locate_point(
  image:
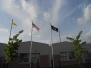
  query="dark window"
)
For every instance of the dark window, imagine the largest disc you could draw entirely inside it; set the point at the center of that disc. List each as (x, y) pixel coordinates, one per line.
(63, 56)
(71, 55)
(35, 57)
(85, 54)
(24, 57)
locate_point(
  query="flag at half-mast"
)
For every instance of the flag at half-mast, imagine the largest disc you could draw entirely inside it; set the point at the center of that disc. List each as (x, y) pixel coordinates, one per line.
(34, 26)
(14, 24)
(54, 28)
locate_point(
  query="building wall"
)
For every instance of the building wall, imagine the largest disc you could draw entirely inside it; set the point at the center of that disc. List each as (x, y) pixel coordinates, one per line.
(69, 62)
(57, 61)
(44, 61)
(16, 64)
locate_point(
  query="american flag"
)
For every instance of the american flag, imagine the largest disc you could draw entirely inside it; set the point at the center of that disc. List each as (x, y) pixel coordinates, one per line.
(34, 26)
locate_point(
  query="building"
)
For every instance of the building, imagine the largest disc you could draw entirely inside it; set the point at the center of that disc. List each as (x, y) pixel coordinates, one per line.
(64, 52)
(2, 54)
(41, 55)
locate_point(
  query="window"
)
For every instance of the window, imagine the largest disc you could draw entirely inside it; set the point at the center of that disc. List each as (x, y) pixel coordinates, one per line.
(85, 54)
(71, 55)
(63, 56)
(24, 57)
(35, 57)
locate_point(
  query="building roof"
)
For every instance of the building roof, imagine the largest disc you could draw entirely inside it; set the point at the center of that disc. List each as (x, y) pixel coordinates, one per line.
(42, 48)
(66, 46)
(62, 47)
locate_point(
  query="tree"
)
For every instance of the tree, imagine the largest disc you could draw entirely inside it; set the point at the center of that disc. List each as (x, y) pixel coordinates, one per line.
(77, 48)
(12, 47)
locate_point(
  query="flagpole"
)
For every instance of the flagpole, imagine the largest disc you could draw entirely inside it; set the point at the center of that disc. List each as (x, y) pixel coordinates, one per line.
(10, 30)
(59, 36)
(31, 45)
(52, 58)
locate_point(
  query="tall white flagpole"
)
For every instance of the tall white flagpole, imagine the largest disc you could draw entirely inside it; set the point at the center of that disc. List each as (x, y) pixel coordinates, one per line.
(31, 45)
(10, 30)
(52, 58)
(59, 36)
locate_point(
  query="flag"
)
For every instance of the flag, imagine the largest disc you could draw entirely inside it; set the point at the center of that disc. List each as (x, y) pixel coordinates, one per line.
(54, 28)
(14, 24)
(34, 26)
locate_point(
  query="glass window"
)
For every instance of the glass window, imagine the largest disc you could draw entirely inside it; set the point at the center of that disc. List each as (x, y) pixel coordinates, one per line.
(35, 57)
(63, 56)
(24, 57)
(85, 54)
(71, 55)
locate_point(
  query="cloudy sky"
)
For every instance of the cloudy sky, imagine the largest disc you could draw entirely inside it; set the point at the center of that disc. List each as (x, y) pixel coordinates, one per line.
(69, 16)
